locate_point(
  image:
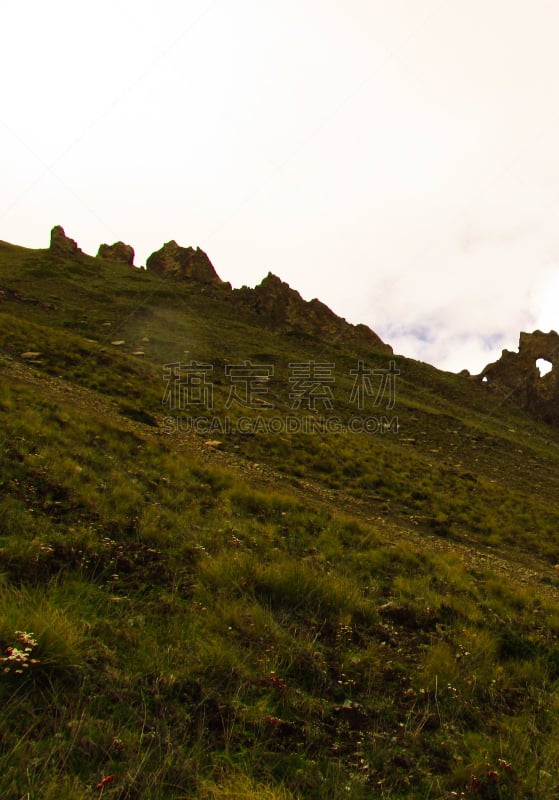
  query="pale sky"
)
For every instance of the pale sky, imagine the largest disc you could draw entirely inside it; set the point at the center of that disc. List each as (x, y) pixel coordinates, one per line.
(396, 159)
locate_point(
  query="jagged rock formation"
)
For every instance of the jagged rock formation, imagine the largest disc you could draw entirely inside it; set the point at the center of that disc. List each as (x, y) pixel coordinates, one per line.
(62, 245)
(184, 262)
(517, 375)
(280, 307)
(285, 310)
(124, 253)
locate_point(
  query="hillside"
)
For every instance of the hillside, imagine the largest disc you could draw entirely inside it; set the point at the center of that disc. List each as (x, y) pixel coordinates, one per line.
(246, 551)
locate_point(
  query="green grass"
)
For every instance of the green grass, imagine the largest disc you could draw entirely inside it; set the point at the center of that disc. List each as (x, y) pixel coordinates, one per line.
(284, 616)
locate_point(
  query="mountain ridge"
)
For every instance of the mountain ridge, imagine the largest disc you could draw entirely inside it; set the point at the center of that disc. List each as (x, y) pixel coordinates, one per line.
(274, 300)
(351, 589)
(283, 309)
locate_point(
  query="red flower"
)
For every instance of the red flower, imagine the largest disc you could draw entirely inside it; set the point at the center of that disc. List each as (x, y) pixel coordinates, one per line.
(104, 781)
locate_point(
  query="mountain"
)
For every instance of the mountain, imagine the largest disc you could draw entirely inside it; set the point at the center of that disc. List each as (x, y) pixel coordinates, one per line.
(247, 551)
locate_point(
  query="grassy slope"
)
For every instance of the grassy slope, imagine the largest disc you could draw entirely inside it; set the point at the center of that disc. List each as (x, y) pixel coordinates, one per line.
(286, 616)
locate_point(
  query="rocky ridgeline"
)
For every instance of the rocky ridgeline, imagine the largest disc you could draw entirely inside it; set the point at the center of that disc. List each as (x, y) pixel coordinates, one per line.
(518, 377)
(64, 246)
(284, 310)
(279, 307)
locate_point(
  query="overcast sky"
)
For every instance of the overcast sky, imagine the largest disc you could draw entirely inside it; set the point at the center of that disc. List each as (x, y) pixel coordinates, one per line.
(396, 159)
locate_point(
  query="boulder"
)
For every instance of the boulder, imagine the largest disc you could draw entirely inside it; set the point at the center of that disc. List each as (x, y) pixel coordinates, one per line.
(118, 251)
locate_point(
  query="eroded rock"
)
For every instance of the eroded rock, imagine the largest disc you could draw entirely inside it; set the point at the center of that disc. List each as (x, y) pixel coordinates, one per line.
(286, 311)
(62, 245)
(119, 251)
(184, 262)
(518, 377)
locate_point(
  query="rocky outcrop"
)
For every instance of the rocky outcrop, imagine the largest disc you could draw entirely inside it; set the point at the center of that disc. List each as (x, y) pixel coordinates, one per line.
(518, 377)
(184, 262)
(279, 307)
(62, 245)
(283, 309)
(124, 253)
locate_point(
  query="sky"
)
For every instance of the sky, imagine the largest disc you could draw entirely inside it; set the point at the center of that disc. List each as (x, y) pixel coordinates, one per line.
(397, 160)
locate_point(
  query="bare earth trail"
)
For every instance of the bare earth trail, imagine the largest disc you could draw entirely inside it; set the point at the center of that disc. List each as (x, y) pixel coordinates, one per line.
(524, 568)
